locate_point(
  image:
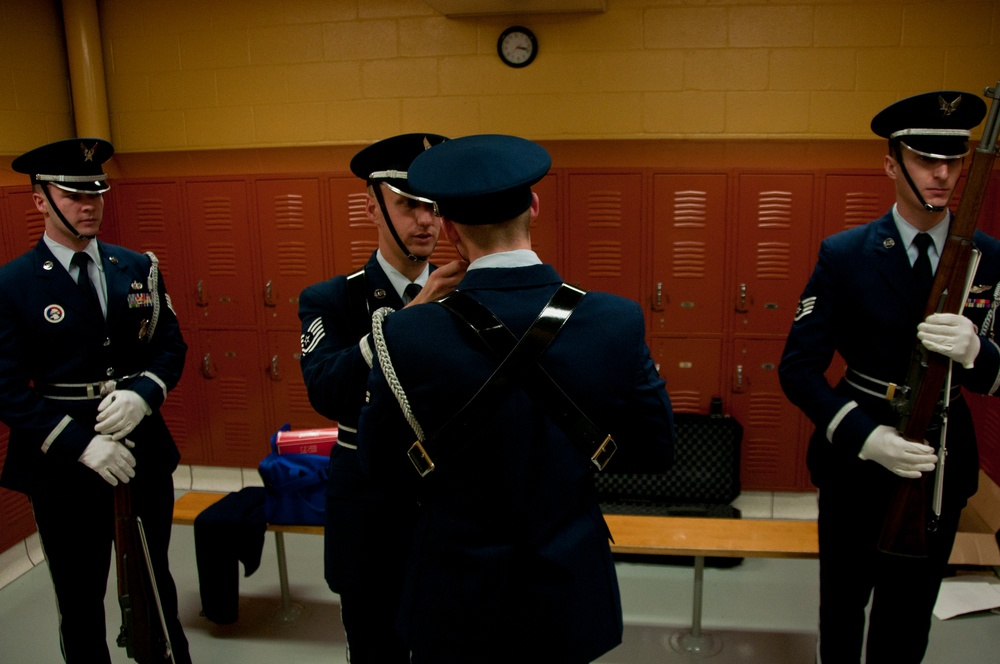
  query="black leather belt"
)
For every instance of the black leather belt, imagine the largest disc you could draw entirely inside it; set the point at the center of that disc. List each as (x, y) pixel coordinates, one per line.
(519, 358)
(882, 389)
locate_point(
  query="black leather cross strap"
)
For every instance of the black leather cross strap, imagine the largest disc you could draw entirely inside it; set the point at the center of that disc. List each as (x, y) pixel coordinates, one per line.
(519, 360)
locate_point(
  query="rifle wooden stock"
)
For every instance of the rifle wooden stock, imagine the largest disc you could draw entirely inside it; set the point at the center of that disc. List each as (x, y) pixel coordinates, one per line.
(908, 519)
(143, 634)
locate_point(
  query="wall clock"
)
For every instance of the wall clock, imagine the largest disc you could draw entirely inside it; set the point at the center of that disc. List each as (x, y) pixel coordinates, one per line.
(517, 46)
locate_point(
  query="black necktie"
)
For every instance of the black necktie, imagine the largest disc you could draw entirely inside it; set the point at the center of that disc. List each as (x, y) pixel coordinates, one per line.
(87, 290)
(923, 274)
(411, 291)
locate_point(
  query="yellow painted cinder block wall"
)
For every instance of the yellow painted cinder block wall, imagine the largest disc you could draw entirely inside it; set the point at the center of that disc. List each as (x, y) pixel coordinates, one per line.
(35, 103)
(220, 74)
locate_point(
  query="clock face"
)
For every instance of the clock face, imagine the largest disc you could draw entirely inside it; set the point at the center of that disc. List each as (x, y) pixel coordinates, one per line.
(517, 46)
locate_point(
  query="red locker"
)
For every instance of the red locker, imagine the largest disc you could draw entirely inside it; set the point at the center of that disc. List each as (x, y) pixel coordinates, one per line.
(16, 519)
(546, 229)
(290, 221)
(773, 441)
(24, 224)
(222, 257)
(853, 200)
(184, 410)
(355, 237)
(149, 220)
(291, 401)
(775, 255)
(232, 372)
(604, 234)
(692, 369)
(689, 254)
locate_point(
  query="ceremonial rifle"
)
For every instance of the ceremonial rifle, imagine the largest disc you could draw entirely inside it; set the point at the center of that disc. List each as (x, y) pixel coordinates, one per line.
(909, 517)
(144, 629)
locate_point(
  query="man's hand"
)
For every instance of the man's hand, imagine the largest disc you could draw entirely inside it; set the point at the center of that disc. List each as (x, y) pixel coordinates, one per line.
(951, 335)
(440, 282)
(120, 413)
(109, 459)
(903, 457)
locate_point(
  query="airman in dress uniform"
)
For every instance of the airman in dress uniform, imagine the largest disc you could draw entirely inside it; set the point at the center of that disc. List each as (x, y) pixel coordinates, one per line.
(510, 559)
(366, 536)
(89, 349)
(866, 300)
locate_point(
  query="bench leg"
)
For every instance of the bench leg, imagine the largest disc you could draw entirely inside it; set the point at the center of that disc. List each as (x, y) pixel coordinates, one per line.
(289, 611)
(694, 642)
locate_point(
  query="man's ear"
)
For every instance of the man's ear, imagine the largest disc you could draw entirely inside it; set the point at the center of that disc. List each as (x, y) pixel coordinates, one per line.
(40, 202)
(891, 166)
(449, 231)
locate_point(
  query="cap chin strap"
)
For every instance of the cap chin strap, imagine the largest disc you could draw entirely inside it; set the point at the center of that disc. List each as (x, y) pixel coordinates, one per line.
(913, 187)
(59, 215)
(410, 256)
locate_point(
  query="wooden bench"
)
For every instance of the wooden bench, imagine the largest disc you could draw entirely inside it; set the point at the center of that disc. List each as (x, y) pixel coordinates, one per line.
(649, 535)
(700, 537)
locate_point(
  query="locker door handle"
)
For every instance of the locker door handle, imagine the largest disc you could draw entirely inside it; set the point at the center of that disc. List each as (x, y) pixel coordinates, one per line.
(207, 368)
(269, 294)
(658, 302)
(200, 300)
(741, 305)
(738, 386)
(273, 373)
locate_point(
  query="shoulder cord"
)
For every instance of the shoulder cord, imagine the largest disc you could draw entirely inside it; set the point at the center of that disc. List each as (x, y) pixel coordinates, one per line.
(987, 330)
(154, 288)
(382, 350)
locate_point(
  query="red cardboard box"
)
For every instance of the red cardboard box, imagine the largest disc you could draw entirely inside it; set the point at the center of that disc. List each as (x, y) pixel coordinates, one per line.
(307, 441)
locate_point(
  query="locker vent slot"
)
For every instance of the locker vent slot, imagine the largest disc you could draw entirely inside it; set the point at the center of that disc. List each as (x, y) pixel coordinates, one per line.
(289, 212)
(292, 261)
(773, 260)
(604, 209)
(689, 260)
(221, 258)
(604, 259)
(690, 209)
(860, 207)
(774, 209)
(356, 217)
(218, 213)
(361, 251)
(149, 216)
(233, 394)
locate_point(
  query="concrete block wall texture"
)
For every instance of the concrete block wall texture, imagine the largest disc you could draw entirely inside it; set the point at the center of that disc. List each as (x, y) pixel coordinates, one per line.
(35, 103)
(230, 74)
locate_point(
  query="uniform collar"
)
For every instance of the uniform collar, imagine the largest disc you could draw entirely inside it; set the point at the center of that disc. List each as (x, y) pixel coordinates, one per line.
(516, 258)
(64, 254)
(939, 234)
(398, 279)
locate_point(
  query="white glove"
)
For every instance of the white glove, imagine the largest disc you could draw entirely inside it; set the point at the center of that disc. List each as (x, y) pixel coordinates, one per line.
(109, 459)
(120, 412)
(951, 335)
(905, 458)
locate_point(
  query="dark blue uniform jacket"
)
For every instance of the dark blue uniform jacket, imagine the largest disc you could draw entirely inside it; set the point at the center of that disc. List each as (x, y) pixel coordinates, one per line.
(864, 306)
(510, 546)
(336, 377)
(48, 336)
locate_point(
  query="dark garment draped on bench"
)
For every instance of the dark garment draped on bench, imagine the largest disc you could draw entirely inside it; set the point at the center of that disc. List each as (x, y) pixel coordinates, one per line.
(225, 534)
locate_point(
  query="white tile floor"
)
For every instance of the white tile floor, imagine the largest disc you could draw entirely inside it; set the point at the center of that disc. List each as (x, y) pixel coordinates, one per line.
(762, 611)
